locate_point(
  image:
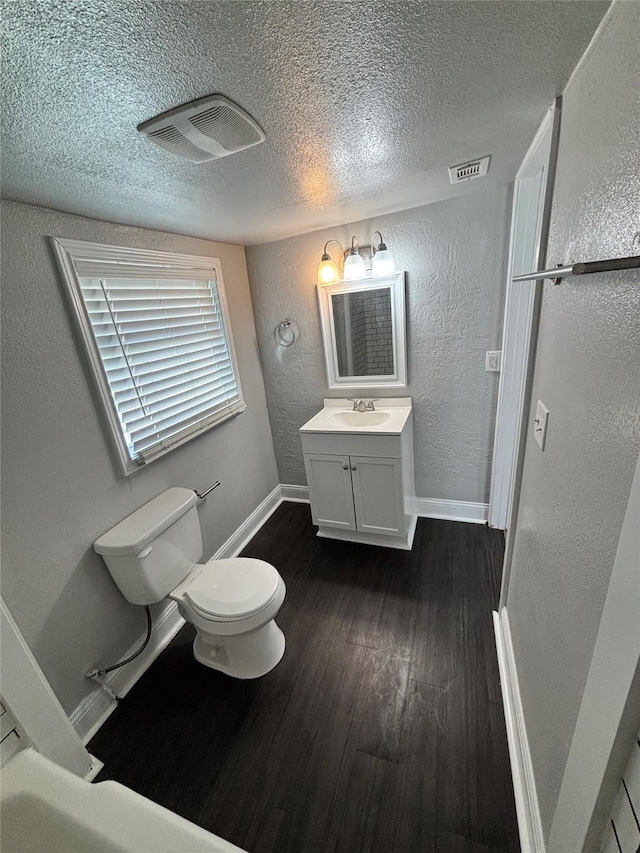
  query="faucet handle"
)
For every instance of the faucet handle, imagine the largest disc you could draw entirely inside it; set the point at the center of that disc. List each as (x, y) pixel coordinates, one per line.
(356, 404)
(370, 403)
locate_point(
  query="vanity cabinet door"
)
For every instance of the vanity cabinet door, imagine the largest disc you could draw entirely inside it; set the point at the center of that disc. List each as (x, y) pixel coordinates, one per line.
(377, 492)
(330, 491)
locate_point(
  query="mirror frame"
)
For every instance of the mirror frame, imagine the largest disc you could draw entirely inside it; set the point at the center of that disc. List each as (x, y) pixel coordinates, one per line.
(395, 283)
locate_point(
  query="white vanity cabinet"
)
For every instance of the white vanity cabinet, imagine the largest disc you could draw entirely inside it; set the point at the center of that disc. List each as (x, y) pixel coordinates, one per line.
(360, 479)
(330, 490)
(377, 495)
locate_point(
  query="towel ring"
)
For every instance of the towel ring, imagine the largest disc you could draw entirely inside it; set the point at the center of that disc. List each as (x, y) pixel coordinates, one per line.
(284, 335)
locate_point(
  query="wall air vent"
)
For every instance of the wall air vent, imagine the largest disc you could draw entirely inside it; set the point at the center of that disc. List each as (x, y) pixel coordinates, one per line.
(467, 171)
(205, 129)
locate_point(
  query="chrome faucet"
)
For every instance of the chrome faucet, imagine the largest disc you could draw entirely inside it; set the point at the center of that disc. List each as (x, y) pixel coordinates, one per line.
(363, 405)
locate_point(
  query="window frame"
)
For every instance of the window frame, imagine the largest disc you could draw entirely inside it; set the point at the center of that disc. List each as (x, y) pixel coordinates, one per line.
(66, 252)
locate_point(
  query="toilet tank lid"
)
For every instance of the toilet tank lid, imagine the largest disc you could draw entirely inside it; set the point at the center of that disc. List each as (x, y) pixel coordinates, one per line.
(138, 529)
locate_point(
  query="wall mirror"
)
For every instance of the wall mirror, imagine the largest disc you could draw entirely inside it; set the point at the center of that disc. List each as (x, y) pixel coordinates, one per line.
(363, 330)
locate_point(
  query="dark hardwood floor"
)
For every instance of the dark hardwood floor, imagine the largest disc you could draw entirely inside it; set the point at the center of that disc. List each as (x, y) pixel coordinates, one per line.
(381, 730)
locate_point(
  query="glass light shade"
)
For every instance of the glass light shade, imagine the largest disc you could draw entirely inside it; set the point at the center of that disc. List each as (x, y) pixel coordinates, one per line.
(383, 263)
(354, 267)
(327, 271)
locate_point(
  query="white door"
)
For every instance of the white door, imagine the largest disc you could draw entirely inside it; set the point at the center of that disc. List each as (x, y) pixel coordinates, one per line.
(377, 491)
(529, 226)
(329, 479)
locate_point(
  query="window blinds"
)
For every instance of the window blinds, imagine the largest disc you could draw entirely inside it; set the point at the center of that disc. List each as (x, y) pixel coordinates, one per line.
(164, 349)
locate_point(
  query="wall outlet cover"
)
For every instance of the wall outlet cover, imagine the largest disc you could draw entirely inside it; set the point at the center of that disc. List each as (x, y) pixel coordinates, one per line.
(493, 360)
(540, 424)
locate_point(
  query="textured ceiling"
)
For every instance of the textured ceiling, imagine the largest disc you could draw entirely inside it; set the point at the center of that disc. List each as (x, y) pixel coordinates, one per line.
(364, 104)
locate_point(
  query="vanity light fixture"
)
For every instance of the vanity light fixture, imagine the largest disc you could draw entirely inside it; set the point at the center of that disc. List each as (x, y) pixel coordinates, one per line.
(354, 265)
(328, 272)
(382, 263)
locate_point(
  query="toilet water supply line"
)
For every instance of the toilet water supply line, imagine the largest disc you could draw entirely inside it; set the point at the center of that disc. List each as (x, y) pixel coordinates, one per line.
(99, 674)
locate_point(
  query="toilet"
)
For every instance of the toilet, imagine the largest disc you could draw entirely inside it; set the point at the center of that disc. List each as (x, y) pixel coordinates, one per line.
(152, 555)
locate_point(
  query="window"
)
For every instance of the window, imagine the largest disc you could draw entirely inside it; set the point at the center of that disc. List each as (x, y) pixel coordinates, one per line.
(157, 334)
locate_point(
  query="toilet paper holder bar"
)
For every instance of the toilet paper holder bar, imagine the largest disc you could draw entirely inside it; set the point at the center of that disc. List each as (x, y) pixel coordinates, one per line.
(202, 496)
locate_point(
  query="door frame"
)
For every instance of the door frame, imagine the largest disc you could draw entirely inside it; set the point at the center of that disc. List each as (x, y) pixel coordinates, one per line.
(503, 504)
(521, 299)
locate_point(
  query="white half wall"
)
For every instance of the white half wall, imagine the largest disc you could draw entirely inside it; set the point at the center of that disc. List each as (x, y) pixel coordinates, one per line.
(41, 720)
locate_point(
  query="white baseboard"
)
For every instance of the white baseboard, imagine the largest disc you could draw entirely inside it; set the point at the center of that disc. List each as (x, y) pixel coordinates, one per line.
(297, 494)
(94, 769)
(524, 785)
(98, 705)
(475, 513)
(250, 526)
(95, 708)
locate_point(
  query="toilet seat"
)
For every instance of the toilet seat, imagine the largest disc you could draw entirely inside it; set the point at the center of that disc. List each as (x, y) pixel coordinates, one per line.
(227, 590)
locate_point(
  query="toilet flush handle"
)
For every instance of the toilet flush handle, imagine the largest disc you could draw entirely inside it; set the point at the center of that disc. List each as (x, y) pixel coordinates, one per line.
(208, 491)
(145, 552)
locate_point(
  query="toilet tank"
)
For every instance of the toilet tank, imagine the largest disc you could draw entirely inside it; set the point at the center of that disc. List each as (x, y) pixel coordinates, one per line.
(152, 550)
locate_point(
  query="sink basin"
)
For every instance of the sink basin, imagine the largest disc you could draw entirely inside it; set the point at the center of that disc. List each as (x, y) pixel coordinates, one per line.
(359, 419)
(338, 417)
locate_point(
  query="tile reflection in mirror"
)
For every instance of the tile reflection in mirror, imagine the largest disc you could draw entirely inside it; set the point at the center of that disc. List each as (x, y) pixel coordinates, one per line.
(363, 332)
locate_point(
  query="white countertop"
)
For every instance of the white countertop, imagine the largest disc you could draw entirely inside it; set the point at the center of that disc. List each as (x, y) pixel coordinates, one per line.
(396, 411)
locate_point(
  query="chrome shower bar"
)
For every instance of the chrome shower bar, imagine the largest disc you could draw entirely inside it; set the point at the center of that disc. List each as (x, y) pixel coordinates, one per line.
(587, 268)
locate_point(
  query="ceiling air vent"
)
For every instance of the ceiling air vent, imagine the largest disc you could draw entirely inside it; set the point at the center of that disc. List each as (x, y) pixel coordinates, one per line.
(467, 171)
(205, 129)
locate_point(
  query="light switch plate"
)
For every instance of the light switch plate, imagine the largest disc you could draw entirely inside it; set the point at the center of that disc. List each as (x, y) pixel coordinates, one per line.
(540, 424)
(492, 360)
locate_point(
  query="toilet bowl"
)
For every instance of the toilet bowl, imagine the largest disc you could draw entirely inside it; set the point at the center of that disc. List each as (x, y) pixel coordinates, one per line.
(232, 604)
(152, 555)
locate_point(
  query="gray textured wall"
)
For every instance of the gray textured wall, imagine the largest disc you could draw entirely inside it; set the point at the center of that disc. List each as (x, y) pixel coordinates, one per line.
(454, 253)
(60, 487)
(588, 373)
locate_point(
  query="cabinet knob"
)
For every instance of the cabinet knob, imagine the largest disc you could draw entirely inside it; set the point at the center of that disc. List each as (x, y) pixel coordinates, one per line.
(345, 466)
(354, 467)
